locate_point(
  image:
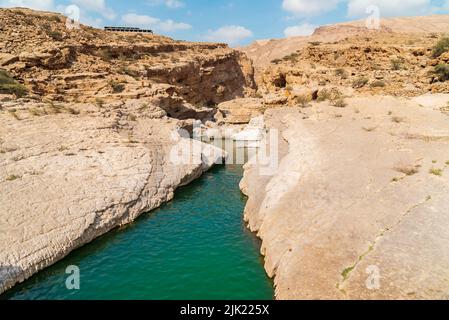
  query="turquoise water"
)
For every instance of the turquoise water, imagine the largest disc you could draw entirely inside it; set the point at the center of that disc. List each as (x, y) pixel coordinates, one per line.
(195, 247)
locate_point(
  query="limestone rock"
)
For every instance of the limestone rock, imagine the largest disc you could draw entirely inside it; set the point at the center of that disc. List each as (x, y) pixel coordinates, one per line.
(239, 111)
(69, 176)
(89, 63)
(358, 206)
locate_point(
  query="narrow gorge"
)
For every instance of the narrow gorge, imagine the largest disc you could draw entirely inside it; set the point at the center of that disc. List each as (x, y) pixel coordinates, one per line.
(89, 121)
(110, 160)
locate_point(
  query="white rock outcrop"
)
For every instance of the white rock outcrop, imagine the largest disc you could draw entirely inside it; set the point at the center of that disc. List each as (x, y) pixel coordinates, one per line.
(66, 179)
(358, 207)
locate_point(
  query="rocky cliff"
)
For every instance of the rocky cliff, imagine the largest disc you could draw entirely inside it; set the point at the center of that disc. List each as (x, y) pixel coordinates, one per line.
(358, 207)
(262, 52)
(388, 63)
(89, 126)
(90, 65)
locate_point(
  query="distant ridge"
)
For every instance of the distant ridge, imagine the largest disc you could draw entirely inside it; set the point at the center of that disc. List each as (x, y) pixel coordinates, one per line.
(262, 52)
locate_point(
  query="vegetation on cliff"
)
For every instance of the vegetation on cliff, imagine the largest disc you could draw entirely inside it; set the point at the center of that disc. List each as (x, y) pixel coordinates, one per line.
(10, 86)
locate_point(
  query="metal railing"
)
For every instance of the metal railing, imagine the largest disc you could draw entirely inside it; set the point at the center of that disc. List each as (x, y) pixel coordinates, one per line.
(127, 29)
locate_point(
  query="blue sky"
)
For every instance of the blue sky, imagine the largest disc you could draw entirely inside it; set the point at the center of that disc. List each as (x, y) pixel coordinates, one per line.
(237, 22)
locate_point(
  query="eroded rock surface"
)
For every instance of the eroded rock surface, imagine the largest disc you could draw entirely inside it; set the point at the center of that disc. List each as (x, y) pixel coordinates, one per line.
(358, 208)
(66, 179)
(90, 65)
(90, 144)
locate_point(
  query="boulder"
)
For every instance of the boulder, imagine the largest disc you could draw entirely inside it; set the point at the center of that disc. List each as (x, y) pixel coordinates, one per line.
(239, 111)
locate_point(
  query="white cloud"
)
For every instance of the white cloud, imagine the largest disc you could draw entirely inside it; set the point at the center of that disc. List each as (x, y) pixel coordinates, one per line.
(133, 19)
(172, 4)
(91, 21)
(304, 29)
(140, 20)
(357, 8)
(229, 34)
(33, 4)
(308, 7)
(97, 6)
(171, 26)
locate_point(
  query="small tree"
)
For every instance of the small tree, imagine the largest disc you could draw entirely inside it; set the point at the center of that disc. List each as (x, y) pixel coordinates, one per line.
(442, 71)
(441, 47)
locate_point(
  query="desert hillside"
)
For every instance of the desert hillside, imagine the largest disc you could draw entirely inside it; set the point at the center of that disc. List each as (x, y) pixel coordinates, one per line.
(262, 52)
(88, 65)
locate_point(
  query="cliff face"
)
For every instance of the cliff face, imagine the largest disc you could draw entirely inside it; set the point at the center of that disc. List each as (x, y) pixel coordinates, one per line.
(358, 207)
(89, 126)
(86, 64)
(263, 52)
(387, 63)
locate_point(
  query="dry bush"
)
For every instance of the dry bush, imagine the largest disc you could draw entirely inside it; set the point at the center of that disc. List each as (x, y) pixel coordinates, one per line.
(378, 84)
(440, 47)
(360, 82)
(408, 170)
(339, 103)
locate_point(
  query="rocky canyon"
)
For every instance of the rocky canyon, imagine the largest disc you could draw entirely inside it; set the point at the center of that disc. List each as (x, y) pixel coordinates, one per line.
(89, 122)
(357, 207)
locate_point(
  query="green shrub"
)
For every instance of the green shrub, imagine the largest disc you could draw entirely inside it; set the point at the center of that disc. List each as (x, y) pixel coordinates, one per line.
(303, 101)
(10, 86)
(441, 47)
(55, 35)
(396, 64)
(340, 103)
(342, 73)
(360, 82)
(332, 95)
(105, 54)
(53, 18)
(378, 84)
(436, 172)
(442, 71)
(324, 95)
(117, 87)
(12, 177)
(292, 57)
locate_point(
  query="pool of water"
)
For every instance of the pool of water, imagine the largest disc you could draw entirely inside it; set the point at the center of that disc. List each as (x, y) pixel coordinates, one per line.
(195, 247)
